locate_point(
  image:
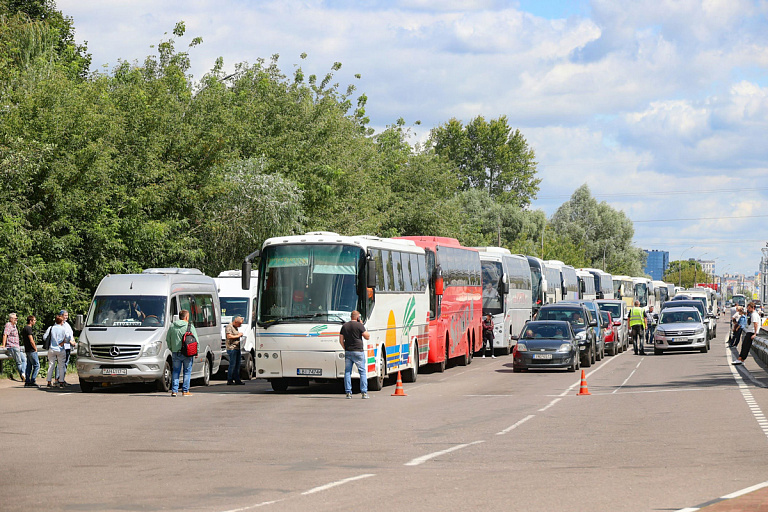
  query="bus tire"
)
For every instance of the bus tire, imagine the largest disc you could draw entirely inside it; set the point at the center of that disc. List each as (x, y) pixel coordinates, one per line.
(205, 380)
(411, 374)
(377, 383)
(246, 371)
(467, 358)
(279, 385)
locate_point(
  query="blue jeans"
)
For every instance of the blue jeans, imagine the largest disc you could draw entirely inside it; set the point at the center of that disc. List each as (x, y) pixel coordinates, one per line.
(358, 359)
(178, 361)
(33, 367)
(233, 371)
(20, 358)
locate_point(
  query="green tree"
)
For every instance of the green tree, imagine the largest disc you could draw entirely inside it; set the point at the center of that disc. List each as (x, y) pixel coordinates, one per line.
(489, 155)
(604, 233)
(685, 273)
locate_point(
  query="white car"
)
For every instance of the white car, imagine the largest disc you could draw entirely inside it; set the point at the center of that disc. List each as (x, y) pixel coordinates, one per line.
(680, 329)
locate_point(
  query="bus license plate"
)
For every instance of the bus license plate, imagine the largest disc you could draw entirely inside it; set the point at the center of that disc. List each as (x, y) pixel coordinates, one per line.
(309, 371)
(542, 356)
(114, 371)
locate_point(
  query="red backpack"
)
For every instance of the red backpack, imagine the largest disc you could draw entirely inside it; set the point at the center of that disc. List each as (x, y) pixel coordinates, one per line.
(188, 342)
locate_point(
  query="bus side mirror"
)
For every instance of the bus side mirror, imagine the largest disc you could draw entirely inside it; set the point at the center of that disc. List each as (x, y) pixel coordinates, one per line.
(370, 278)
(505, 285)
(79, 323)
(246, 275)
(439, 286)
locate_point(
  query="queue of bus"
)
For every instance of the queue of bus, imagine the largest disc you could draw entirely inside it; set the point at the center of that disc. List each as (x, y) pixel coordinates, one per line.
(421, 298)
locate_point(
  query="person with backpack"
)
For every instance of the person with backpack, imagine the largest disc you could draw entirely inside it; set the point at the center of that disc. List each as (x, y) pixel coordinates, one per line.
(177, 334)
(11, 344)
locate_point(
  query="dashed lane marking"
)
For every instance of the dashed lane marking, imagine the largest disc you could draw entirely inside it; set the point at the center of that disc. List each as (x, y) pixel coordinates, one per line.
(513, 427)
(630, 375)
(336, 483)
(424, 458)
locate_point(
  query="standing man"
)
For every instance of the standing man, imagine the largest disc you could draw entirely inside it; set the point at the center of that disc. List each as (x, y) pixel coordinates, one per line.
(651, 319)
(233, 337)
(11, 343)
(636, 319)
(351, 339)
(70, 339)
(753, 326)
(30, 348)
(173, 340)
(488, 334)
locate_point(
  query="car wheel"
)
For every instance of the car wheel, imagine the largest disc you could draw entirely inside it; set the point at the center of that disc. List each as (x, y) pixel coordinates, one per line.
(593, 358)
(587, 362)
(205, 380)
(85, 386)
(657, 351)
(572, 368)
(704, 349)
(164, 382)
(517, 370)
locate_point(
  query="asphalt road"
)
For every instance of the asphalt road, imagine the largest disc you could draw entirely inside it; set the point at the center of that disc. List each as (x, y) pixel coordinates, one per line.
(657, 433)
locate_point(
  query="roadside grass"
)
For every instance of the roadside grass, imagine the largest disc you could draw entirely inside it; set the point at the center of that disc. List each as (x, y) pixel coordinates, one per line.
(9, 368)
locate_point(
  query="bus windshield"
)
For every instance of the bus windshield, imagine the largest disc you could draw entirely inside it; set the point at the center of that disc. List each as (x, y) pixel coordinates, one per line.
(309, 283)
(127, 311)
(492, 280)
(641, 294)
(232, 307)
(740, 300)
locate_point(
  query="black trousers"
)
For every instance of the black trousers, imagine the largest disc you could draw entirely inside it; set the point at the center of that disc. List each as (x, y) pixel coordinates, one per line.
(736, 336)
(637, 339)
(746, 345)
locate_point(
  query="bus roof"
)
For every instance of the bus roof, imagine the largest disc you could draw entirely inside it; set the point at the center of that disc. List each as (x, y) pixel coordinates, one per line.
(325, 237)
(434, 241)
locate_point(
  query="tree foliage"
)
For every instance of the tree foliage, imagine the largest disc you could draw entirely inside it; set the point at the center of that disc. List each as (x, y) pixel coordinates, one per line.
(685, 273)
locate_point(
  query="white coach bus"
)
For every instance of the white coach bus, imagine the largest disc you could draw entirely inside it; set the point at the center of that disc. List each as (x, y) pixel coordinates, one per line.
(308, 287)
(506, 294)
(568, 280)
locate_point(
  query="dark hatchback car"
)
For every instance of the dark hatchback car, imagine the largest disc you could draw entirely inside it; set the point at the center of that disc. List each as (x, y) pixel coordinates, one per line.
(581, 322)
(546, 344)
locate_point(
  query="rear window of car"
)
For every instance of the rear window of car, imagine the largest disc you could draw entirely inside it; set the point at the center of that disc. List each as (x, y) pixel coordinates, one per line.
(575, 316)
(613, 309)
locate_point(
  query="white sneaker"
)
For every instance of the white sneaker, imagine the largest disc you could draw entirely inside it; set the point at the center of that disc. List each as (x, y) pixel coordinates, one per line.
(483, 356)
(736, 362)
(349, 395)
(365, 396)
(494, 357)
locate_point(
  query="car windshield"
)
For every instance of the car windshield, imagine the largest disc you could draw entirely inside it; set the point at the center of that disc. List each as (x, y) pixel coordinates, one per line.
(574, 316)
(127, 311)
(548, 331)
(492, 281)
(680, 317)
(613, 308)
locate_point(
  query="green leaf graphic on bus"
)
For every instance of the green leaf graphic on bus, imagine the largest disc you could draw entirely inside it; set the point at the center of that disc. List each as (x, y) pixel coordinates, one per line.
(409, 317)
(316, 330)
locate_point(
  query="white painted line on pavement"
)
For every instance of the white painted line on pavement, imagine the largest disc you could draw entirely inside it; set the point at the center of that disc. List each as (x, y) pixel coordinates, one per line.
(513, 427)
(425, 458)
(630, 375)
(262, 504)
(587, 375)
(757, 413)
(336, 483)
(690, 509)
(550, 404)
(744, 491)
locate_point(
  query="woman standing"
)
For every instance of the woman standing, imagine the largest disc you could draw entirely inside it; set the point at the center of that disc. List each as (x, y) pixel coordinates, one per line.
(56, 353)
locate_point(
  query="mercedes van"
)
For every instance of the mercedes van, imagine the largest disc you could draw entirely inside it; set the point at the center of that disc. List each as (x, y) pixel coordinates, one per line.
(123, 336)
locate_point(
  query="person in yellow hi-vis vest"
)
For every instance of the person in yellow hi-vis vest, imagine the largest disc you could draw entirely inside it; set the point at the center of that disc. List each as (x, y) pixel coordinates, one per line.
(637, 325)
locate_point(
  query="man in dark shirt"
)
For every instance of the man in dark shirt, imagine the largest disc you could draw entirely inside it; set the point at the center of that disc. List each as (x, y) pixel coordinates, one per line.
(30, 349)
(488, 334)
(351, 339)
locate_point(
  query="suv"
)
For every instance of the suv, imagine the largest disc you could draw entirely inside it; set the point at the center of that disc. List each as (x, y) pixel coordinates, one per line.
(619, 313)
(680, 328)
(582, 322)
(707, 319)
(594, 311)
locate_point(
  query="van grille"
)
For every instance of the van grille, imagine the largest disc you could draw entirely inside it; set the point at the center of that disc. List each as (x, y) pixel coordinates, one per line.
(116, 352)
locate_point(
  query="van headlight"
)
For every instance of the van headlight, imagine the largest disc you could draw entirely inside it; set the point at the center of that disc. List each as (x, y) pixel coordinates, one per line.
(83, 348)
(152, 349)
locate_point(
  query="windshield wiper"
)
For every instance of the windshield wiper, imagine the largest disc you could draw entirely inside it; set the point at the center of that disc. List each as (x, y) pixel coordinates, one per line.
(274, 321)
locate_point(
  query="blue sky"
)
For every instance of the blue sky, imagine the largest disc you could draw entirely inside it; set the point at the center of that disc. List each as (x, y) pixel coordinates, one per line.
(660, 106)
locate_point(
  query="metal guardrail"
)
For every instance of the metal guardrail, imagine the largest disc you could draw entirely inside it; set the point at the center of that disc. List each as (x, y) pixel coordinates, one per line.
(4, 354)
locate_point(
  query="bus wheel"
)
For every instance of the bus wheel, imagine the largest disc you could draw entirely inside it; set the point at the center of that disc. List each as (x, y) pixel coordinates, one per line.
(246, 371)
(467, 358)
(377, 382)
(279, 385)
(412, 374)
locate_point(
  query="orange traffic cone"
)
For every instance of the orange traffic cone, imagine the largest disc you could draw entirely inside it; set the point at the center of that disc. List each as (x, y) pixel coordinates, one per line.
(399, 388)
(583, 390)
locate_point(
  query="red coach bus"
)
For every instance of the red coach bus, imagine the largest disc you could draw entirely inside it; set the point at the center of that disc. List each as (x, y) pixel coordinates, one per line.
(455, 299)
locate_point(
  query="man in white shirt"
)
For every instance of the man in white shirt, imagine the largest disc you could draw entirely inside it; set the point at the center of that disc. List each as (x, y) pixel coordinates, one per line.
(753, 327)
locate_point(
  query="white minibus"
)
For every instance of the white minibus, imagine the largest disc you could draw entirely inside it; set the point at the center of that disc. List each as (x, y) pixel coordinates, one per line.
(238, 302)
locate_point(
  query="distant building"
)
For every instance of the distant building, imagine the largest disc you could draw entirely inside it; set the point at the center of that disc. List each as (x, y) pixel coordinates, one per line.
(764, 277)
(657, 263)
(708, 266)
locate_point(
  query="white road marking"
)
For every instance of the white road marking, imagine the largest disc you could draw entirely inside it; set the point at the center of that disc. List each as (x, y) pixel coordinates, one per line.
(513, 427)
(336, 483)
(550, 404)
(424, 458)
(630, 375)
(586, 375)
(744, 491)
(263, 503)
(749, 399)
